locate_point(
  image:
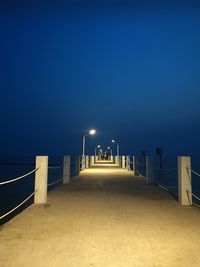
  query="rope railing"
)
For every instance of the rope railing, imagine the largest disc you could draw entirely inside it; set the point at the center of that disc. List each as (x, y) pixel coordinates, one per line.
(139, 173)
(20, 177)
(167, 170)
(55, 167)
(168, 189)
(82, 163)
(193, 171)
(56, 182)
(139, 163)
(132, 162)
(6, 214)
(193, 194)
(73, 163)
(196, 173)
(166, 186)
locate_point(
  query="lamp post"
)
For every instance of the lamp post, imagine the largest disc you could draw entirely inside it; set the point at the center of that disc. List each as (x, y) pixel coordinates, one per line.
(90, 132)
(113, 141)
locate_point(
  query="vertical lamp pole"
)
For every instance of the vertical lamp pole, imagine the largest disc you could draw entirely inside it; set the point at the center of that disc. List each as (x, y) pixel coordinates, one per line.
(84, 144)
(91, 132)
(113, 141)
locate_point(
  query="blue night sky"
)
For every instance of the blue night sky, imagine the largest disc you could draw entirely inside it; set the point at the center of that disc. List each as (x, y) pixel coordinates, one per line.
(131, 71)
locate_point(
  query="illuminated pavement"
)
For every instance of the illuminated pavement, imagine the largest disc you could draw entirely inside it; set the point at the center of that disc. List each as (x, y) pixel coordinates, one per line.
(104, 218)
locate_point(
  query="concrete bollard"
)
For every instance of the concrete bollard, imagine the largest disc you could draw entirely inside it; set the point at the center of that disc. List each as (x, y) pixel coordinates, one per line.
(41, 177)
(92, 158)
(184, 181)
(128, 163)
(120, 161)
(66, 169)
(111, 159)
(123, 162)
(83, 158)
(133, 165)
(87, 162)
(78, 159)
(149, 170)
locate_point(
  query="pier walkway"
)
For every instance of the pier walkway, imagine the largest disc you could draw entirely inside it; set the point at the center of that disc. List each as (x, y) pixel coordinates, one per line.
(105, 217)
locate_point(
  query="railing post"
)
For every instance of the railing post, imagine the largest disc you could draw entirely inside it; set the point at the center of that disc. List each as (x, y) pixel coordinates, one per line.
(92, 159)
(83, 163)
(149, 170)
(128, 163)
(133, 158)
(66, 169)
(123, 162)
(41, 177)
(111, 159)
(87, 162)
(184, 181)
(77, 165)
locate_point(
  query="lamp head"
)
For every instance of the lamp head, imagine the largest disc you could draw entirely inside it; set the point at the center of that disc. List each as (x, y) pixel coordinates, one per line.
(113, 141)
(98, 146)
(108, 147)
(92, 132)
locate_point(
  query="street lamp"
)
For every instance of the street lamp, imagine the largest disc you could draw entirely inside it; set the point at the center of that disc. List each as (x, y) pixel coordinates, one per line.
(113, 141)
(90, 132)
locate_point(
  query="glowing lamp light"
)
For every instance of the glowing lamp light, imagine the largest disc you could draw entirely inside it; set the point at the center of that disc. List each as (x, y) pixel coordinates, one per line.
(92, 132)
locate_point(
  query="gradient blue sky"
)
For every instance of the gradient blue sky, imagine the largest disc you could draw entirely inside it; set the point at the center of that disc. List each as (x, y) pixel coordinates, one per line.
(132, 71)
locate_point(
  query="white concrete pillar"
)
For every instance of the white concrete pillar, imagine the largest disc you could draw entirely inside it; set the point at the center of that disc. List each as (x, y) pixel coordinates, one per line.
(123, 162)
(66, 169)
(111, 158)
(184, 181)
(87, 162)
(149, 170)
(128, 163)
(92, 158)
(133, 160)
(78, 159)
(41, 177)
(83, 158)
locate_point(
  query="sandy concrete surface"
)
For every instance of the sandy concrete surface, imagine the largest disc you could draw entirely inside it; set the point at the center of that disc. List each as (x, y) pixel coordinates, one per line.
(104, 218)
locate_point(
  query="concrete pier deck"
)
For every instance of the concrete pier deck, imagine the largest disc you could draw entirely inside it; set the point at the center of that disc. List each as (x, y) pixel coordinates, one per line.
(105, 218)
